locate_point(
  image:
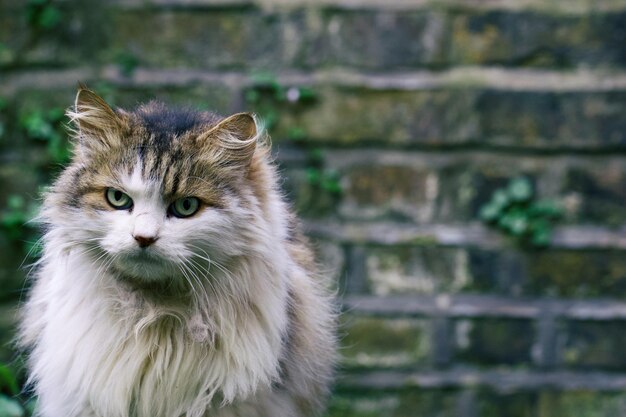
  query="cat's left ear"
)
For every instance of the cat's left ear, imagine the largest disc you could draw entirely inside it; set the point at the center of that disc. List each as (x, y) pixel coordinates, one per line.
(97, 125)
(235, 139)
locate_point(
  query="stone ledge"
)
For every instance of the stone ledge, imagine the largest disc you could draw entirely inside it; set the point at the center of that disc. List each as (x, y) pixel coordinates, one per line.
(499, 380)
(476, 78)
(575, 7)
(472, 234)
(463, 306)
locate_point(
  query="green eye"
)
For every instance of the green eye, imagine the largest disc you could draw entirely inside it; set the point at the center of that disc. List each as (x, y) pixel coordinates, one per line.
(185, 207)
(118, 200)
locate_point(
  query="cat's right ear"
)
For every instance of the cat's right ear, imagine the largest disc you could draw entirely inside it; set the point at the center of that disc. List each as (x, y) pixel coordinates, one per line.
(96, 125)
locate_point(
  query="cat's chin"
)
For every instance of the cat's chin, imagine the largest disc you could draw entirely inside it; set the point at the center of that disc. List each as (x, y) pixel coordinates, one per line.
(142, 267)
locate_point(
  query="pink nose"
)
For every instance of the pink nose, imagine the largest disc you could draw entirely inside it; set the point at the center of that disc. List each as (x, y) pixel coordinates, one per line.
(144, 241)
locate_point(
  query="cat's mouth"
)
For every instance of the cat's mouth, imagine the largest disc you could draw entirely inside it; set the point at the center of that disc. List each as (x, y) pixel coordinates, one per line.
(143, 265)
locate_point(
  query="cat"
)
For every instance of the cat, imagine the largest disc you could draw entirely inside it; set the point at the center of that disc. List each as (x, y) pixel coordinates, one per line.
(174, 281)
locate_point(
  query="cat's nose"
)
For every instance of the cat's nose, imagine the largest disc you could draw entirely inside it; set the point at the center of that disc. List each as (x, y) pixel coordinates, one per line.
(146, 229)
(145, 241)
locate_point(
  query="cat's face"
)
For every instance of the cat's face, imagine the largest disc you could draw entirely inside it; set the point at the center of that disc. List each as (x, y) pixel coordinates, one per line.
(151, 234)
(157, 193)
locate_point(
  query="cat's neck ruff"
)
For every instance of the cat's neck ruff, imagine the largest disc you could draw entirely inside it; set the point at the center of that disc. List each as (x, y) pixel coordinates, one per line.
(140, 341)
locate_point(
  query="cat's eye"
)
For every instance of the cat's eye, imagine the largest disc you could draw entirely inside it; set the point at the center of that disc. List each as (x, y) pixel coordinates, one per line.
(185, 207)
(118, 200)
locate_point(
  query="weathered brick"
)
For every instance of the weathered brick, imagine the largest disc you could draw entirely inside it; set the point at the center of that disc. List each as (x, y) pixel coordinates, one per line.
(446, 187)
(577, 273)
(581, 404)
(369, 341)
(494, 341)
(538, 39)
(227, 38)
(498, 271)
(403, 403)
(249, 37)
(347, 38)
(550, 272)
(549, 403)
(377, 39)
(400, 192)
(549, 119)
(307, 197)
(598, 192)
(462, 116)
(350, 116)
(589, 344)
(27, 44)
(494, 404)
(419, 270)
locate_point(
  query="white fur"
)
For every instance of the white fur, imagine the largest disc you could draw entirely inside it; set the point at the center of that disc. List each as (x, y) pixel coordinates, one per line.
(101, 347)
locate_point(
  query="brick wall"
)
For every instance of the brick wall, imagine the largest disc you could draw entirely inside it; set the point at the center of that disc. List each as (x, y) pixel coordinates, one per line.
(394, 122)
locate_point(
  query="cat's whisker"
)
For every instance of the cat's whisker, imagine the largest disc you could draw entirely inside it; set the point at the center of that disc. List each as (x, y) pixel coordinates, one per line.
(199, 269)
(200, 282)
(193, 290)
(212, 280)
(192, 277)
(209, 260)
(32, 250)
(210, 263)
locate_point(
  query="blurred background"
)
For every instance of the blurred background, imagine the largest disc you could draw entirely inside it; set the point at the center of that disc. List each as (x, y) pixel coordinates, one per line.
(459, 164)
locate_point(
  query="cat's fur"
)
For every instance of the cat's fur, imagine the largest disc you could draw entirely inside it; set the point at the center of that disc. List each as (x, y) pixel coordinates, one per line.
(245, 328)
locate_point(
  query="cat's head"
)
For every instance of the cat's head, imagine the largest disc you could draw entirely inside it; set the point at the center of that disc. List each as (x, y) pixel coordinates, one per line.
(156, 192)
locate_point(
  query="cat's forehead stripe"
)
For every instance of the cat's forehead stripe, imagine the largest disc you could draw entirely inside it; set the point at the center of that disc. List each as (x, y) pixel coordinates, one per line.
(162, 151)
(162, 122)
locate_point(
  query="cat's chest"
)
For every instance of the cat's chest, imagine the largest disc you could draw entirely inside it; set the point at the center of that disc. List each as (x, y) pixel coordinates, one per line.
(111, 359)
(114, 351)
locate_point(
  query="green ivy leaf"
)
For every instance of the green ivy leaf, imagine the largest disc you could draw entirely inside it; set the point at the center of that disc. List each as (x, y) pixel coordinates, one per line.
(520, 189)
(55, 115)
(280, 94)
(307, 94)
(10, 407)
(500, 199)
(331, 184)
(296, 133)
(489, 212)
(263, 79)
(8, 380)
(518, 225)
(313, 176)
(15, 202)
(106, 91)
(546, 209)
(252, 96)
(6, 55)
(49, 17)
(316, 156)
(513, 210)
(127, 62)
(36, 126)
(541, 237)
(31, 406)
(270, 118)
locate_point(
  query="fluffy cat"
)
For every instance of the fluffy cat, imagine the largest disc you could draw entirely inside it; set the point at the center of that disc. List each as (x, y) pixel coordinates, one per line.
(173, 281)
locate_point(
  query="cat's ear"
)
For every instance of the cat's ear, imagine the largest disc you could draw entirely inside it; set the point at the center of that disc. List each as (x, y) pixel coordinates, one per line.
(235, 138)
(96, 124)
